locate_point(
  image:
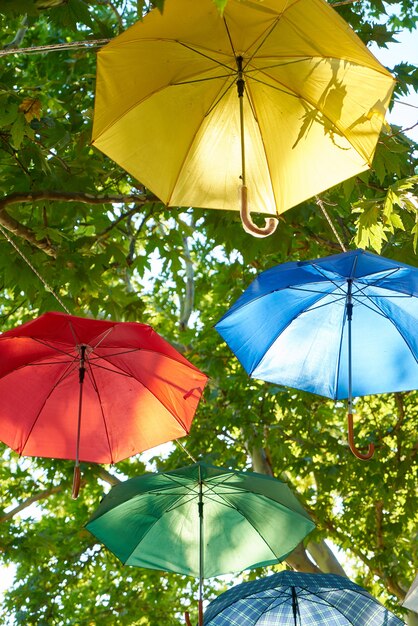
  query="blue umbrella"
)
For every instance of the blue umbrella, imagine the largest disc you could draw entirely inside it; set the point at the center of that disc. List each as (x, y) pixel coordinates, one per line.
(338, 326)
(297, 599)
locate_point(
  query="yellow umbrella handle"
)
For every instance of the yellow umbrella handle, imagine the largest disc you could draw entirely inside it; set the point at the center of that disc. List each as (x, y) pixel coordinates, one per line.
(353, 448)
(249, 226)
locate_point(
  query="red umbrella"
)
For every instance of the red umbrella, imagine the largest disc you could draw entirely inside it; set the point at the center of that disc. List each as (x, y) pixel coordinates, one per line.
(92, 390)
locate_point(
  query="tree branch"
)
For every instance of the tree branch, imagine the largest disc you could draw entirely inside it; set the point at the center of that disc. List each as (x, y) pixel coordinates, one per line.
(391, 584)
(325, 558)
(188, 301)
(106, 476)
(300, 561)
(22, 231)
(26, 503)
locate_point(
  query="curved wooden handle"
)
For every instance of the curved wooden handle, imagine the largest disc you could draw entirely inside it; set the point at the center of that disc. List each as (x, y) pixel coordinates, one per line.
(187, 619)
(353, 447)
(247, 222)
(76, 482)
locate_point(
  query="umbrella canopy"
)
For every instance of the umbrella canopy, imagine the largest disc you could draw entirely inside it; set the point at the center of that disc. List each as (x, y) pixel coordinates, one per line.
(92, 390)
(297, 599)
(200, 521)
(338, 326)
(278, 97)
(411, 598)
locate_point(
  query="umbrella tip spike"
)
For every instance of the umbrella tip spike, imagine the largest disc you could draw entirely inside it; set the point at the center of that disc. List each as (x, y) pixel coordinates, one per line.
(249, 226)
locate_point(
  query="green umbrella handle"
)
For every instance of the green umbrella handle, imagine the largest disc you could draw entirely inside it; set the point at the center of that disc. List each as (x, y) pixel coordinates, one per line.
(187, 616)
(353, 448)
(248, 224)
(200, 622)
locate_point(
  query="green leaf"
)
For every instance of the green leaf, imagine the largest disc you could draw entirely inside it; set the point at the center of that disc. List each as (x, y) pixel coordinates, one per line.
(221, 4)
(8, 114)
(396, 221)
(18, 131)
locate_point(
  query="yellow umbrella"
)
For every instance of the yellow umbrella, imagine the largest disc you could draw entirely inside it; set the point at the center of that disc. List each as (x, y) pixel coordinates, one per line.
(279, 97)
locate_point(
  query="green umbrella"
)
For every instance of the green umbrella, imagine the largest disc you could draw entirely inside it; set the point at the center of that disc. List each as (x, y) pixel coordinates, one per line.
(200, 521)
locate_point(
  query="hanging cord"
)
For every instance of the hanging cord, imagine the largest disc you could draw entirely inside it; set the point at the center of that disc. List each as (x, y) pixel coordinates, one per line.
(327, 217)
(56, 47)
(34, 270)
(180, 445)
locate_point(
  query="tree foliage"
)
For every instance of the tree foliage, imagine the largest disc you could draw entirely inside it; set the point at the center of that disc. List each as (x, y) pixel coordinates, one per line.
(106, 247)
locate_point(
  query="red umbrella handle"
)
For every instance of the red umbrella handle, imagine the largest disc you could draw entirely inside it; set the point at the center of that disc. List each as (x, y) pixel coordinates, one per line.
(353, 447)
(248, 224)
(76, 482)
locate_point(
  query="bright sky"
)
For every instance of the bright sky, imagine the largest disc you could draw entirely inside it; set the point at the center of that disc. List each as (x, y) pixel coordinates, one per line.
(405, 115)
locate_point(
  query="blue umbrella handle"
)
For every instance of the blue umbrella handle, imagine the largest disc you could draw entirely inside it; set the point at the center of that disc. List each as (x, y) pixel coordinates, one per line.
(353, 447)
(248, 224)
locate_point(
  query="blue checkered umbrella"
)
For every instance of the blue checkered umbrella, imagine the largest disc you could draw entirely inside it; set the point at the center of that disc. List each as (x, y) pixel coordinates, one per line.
(296, 599)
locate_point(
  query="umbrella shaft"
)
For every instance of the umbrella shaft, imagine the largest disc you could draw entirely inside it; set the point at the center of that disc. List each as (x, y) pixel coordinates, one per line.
(81, 372)
(201, 548)
(295, 606)
(349, 307)
(240, 88)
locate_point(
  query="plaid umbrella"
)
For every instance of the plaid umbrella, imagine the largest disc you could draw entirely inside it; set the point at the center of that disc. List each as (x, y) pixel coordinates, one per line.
(298, 599)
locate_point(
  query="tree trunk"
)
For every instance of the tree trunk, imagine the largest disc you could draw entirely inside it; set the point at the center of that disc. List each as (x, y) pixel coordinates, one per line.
(325, 558)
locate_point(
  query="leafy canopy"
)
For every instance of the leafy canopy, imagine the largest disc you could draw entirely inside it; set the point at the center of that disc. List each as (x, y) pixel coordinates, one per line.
(108, 248)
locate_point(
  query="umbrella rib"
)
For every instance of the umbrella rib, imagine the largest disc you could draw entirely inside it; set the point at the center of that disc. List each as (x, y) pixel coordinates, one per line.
(176, 417)
(231, 72)
(137, 545)
(277, 335)
(237, 508)
(96, 389)
(221, 94)
(392, 321)
(375, 309)
(199, 52)
(261, 39)
(54, 386)
(109, 369)
(388, 274)
(329, 279)
(315, 106)
(52, 346)
(41, 364)
(220, 97)
(336, 608)
(202, 80)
